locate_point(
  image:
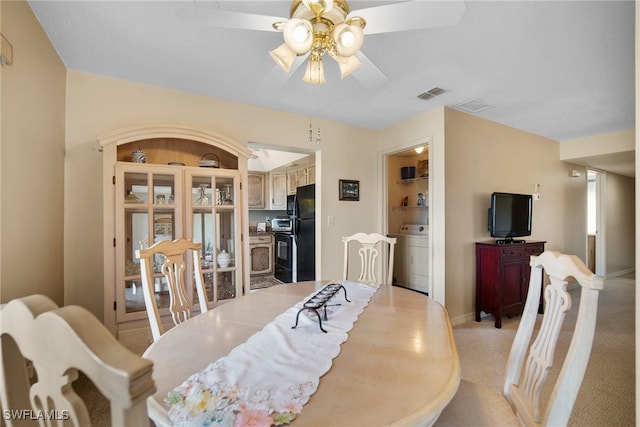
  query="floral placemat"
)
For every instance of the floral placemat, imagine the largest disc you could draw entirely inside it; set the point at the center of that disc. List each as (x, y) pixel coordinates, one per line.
(268, 379)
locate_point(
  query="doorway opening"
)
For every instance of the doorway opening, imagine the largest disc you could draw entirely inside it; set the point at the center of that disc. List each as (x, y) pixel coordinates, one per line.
(407, 215)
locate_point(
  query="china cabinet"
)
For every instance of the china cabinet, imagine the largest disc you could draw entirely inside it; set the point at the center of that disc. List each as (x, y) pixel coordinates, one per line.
(167, 197)
(156, 202)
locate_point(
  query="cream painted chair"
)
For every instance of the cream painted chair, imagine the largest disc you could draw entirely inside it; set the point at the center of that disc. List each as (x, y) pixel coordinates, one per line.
(58, 343)
(173, 253)
(529, 363)
(368, 256)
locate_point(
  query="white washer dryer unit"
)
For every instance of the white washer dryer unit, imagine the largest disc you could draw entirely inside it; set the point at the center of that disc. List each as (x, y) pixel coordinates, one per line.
(411, 261)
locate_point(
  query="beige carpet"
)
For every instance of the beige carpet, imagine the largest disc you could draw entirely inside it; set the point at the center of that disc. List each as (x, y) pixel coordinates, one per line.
(607, 395)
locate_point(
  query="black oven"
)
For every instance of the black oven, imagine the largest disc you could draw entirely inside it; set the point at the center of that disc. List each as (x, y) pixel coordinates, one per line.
(285, 263)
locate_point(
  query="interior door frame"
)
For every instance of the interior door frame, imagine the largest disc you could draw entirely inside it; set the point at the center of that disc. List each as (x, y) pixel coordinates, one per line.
(601, 221)
(436, 250)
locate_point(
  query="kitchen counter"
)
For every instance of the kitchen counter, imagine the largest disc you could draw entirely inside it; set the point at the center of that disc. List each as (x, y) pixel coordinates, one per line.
(254, 232)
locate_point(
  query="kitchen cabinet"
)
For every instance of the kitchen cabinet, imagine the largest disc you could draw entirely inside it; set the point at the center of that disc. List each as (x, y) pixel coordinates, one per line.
(300, 177)
(256, 190)
(311, 175)
(278, 191)
(292, 182)
(502, 277)
(261, 254)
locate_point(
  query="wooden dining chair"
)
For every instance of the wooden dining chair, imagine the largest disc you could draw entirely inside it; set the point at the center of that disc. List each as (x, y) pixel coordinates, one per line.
(369, 253)
(529, 362)
(43, 349)
(172, 257)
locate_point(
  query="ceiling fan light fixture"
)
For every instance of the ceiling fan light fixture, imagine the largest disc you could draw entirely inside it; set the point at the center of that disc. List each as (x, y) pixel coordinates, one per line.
(298, 35)
(283, 56)
(347, 64)
(316, 28)
(315, 72)
(348, 39)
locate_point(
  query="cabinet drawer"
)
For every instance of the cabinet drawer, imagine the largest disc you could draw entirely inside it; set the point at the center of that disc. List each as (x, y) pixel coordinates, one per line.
(535, 249)
(259, 239)
(512, 253)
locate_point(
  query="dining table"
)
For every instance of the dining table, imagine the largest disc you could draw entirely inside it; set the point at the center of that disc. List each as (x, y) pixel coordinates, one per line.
(398, 367)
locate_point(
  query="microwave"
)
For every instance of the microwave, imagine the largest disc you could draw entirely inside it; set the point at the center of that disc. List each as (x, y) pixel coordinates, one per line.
(281, 224)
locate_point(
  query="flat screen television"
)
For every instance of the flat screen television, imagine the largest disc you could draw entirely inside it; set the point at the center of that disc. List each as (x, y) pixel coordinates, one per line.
(510, 216)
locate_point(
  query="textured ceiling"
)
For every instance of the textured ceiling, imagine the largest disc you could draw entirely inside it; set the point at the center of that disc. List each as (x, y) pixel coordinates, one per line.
(559, 69)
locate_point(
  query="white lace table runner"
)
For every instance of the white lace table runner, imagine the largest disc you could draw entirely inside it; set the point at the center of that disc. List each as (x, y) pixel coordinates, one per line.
(267, 380)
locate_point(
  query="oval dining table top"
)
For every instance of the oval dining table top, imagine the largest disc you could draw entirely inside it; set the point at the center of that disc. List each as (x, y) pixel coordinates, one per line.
(399, 365)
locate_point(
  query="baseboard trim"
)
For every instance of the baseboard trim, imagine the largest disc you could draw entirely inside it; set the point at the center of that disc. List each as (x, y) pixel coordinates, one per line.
(620, 273)
(458, 320)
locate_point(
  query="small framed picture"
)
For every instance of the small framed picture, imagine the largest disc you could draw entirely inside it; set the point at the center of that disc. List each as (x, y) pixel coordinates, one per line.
(349, 190)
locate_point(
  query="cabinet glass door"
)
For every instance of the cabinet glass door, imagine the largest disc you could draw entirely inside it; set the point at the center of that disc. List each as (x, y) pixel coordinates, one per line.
(211, 221)
(146, 199)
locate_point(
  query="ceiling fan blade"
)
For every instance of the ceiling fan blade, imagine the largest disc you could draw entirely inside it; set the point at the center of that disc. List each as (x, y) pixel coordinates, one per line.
(228, 19)
(410, 15)
(369, 75)
(277, 77)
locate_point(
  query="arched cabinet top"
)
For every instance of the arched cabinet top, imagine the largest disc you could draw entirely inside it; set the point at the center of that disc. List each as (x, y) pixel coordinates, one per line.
(141, 132)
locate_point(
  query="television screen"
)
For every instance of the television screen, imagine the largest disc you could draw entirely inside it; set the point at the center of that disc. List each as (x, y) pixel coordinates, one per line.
(510, 215)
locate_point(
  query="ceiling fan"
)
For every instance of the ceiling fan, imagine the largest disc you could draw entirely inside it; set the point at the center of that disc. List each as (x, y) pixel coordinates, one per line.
(318, 28)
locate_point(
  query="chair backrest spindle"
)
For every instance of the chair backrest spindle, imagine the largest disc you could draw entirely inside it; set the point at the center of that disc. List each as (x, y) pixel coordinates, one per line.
(369, 253)
(173, 268)
(528, 365)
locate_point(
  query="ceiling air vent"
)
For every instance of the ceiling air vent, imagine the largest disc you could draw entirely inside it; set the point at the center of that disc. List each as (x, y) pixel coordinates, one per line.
(473, 106)
(431, 93)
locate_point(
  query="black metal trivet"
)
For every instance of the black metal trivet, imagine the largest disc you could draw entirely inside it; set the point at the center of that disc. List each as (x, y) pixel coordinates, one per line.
(319, 301)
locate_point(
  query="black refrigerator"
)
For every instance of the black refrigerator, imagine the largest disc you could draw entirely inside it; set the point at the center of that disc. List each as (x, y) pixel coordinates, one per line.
(305, 232)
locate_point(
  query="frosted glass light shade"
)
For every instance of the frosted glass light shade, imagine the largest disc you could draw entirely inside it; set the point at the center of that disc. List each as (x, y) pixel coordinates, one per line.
(348, 39)
(347, 64)
(298, 35)
(315, 72)
(283, 56)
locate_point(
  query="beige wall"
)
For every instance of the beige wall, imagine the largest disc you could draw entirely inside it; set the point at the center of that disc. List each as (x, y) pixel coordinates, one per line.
(614, 142)
(33, 105)
(620, 224)
(483, 157)
(426, 128)
(98, 104)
